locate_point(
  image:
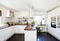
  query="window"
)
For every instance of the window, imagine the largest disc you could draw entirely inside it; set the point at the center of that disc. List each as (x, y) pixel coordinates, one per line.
(43, 19)
(39, 20)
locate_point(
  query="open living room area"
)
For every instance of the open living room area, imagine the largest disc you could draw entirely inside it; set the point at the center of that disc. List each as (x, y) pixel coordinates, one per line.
(29, 20)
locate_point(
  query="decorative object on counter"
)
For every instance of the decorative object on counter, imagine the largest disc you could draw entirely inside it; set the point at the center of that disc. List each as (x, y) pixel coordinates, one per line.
(7, 23)
(38, 28)
(33, 23)
(25, 19)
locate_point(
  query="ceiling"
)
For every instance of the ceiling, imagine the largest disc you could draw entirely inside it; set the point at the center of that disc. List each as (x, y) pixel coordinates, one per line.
(39, 5)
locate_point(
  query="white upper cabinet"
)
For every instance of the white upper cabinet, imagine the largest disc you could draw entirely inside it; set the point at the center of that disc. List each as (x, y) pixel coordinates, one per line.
(8, 13)
(5, 13)
(11, 13)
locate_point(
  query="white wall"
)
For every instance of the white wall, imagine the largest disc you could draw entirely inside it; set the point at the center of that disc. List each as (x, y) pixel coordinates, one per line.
(21, 14)
(29, 13)
(24, 13)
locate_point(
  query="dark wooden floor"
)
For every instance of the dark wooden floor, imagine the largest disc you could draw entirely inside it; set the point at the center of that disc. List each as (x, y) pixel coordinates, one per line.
(40, 37)
(17, 37)
(45, 37)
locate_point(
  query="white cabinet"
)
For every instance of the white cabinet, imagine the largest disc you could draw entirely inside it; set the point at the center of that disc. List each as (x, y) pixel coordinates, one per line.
(55, 32)
(6, 33)
(19, 28)
(30, 35)
(9, 31)
(43, 28)
(8, 13)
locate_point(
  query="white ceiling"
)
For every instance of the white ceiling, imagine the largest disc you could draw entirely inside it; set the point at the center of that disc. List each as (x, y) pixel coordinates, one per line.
(41, 5)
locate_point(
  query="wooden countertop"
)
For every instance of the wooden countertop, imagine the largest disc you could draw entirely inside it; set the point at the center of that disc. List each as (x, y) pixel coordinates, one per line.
(28, 27)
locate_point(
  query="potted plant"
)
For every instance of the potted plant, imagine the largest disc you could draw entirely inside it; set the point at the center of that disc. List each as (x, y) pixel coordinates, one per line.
(37, 27)
(33, 23)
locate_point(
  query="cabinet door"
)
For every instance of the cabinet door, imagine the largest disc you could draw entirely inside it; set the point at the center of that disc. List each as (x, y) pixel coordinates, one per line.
(20, 28)
(30, 35)
(6, 33)
(12, 14)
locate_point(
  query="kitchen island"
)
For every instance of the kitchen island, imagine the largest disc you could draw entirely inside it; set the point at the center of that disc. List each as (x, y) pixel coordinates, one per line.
(30, 34)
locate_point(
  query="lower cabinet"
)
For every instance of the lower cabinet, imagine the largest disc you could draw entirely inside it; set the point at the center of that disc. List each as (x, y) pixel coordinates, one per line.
(30, 35)
(43, 28)
(6, 33)
(19, 29)
(9, 31)
(55, 32)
